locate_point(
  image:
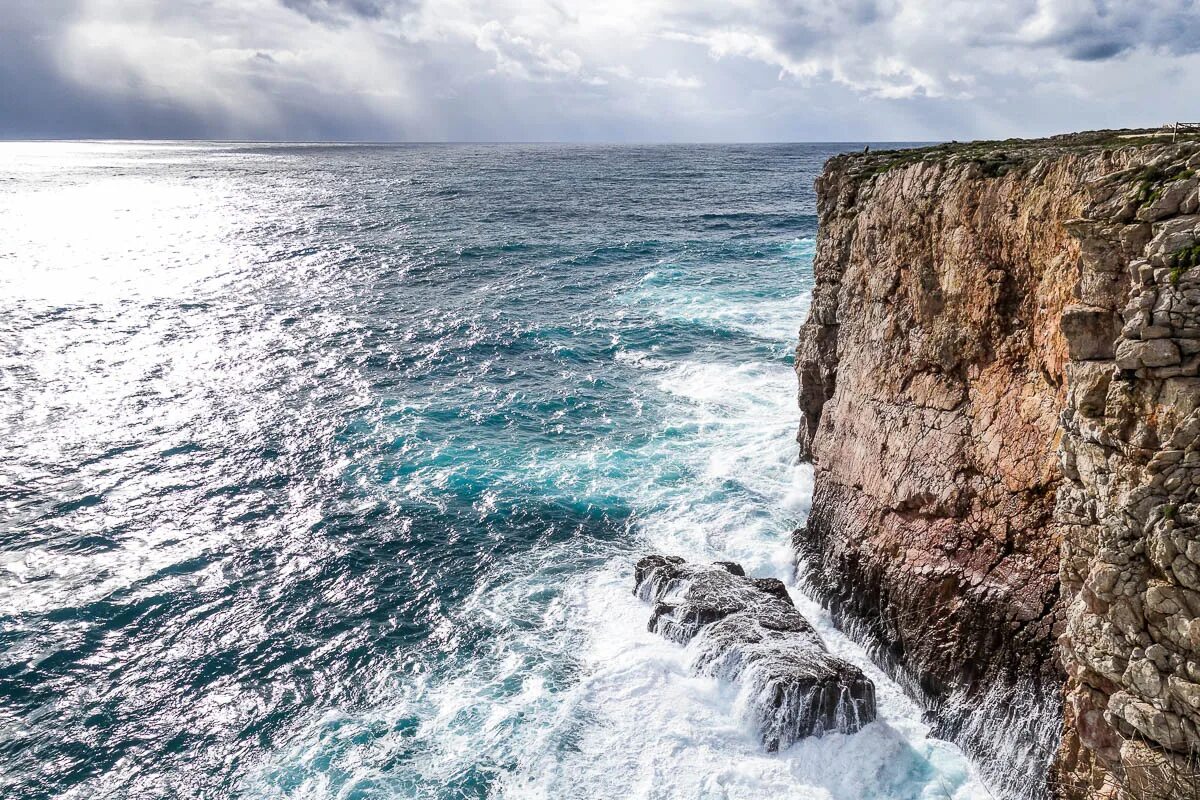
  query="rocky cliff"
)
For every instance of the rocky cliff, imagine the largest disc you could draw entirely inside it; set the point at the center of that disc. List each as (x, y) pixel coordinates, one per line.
(998, 382)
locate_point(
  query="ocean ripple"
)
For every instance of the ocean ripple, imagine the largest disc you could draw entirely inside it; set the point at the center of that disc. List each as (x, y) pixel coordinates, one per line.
(323, 469)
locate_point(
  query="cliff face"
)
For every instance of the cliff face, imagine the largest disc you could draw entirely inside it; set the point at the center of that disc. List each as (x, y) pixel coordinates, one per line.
(998, 386)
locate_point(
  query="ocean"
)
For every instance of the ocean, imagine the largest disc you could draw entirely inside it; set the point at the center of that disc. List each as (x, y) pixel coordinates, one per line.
(323, 470)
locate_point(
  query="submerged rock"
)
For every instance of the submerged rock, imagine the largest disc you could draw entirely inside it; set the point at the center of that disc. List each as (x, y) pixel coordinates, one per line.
(746, 630)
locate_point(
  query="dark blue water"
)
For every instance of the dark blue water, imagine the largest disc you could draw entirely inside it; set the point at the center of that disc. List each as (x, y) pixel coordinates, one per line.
(323, 468)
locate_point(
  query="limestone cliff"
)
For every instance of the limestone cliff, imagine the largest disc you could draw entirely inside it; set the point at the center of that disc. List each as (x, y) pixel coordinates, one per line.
(998, 382)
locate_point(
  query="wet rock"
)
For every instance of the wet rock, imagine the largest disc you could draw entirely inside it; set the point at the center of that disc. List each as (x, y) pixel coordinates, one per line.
(748, 631)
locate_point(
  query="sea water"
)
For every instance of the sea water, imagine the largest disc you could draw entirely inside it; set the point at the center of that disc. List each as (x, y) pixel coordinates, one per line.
(323, 470)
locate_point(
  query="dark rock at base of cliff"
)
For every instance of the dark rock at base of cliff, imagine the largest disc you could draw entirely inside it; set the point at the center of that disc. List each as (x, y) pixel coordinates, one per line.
(959, 659)
(747, 630)
(1000, 390)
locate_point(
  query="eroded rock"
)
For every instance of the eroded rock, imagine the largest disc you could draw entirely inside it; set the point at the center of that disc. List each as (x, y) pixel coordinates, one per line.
(747, 630)
(1000, 390)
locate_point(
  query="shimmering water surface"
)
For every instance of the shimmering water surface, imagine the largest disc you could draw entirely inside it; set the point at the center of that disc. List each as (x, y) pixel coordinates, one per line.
(323, 470)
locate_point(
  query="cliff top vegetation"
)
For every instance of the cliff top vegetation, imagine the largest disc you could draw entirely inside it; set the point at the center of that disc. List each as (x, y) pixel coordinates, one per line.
(1000, 157)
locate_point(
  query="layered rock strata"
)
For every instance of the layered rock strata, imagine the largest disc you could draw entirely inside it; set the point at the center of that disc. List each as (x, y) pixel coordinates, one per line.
(748, 631)
(999, 388)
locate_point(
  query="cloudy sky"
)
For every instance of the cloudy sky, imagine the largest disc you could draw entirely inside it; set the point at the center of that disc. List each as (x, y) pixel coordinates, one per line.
(609, 70)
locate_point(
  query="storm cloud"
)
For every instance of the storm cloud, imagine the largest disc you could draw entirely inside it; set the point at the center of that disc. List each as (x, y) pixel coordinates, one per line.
(573, 70)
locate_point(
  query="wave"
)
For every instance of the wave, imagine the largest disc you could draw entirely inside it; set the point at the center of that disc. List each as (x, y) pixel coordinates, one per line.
(569, 696)
(741, 301)
(328, 484)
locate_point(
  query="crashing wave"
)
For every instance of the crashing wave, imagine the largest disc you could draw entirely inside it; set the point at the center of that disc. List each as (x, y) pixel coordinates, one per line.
(747, 631)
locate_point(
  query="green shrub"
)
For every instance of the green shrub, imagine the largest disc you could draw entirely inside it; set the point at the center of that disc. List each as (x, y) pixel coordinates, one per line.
(1182, 260)
(1153, 180)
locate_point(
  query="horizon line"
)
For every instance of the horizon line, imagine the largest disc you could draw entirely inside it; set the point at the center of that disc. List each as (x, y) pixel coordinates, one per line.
(398, 142)
(580, 142)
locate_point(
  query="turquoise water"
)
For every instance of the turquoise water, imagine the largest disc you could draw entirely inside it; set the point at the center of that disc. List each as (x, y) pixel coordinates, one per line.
(324, 468)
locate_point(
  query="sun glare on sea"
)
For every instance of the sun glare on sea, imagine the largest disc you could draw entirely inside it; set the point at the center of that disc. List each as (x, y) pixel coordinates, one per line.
(118, 234)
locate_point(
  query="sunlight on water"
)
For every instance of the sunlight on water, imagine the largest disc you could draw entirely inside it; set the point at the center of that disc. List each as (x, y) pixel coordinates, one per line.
(324, 469)
(130, 237)
(575, 699)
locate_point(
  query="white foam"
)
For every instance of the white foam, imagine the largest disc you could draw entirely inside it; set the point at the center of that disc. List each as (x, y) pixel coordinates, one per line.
(573, 698)
(642, 725)
(670, 293)
(656, 731)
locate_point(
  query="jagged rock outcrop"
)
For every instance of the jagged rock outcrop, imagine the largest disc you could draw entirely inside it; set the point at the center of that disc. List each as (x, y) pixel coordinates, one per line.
(998, 381)
(1128, 501)
(748, 631)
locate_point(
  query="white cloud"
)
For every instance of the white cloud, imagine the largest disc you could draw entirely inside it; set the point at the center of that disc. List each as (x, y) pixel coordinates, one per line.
(673, 80)
(525, 58)
(756, 46)
(670, 69)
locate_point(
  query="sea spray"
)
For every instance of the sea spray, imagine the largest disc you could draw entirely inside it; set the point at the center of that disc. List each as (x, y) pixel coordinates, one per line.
(1010, 731)
(747, 631)
(350, 456)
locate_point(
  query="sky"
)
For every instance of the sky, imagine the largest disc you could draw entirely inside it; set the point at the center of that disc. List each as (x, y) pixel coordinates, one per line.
(610, 70)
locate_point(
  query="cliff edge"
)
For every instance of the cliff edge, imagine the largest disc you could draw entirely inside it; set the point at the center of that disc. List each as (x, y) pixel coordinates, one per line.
(1000, 397)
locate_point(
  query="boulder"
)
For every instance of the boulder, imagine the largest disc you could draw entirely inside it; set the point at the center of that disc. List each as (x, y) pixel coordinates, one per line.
(747, 630)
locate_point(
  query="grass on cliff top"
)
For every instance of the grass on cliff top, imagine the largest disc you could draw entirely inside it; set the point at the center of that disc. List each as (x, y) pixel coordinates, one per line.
(999, 157)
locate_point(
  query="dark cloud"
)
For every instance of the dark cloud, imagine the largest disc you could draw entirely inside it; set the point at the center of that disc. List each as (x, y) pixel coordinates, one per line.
(337, 10)
(668, 69)
(1096, 51)
(1104, 29)
(37, 101)
(40, 99)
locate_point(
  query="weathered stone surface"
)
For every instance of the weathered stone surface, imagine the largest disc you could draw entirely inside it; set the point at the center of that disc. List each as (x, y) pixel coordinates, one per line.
(747, 630)
(1090, 332)
(1170, 236)
(1156, 352)
(1000, 398)
(1168, 202)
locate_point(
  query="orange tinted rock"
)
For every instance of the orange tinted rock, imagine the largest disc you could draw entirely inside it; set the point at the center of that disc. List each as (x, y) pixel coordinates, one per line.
(981, 407)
